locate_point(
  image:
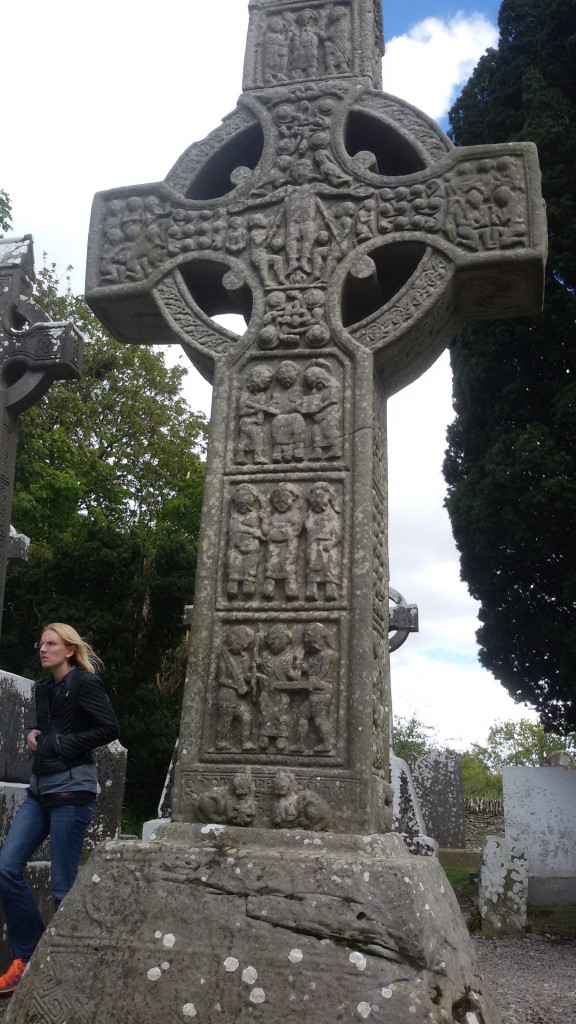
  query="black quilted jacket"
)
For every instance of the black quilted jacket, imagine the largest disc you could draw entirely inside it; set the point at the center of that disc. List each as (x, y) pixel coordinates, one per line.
(74, 717)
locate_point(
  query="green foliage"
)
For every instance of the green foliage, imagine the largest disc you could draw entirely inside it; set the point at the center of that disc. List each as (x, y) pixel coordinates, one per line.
(511, 461)
(412, 739)
(117, 444)
(5, 212)
(477, 778)
(521, 743)
(109, 483)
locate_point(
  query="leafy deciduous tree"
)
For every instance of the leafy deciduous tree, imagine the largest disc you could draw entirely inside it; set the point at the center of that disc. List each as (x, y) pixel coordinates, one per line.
(109, 486)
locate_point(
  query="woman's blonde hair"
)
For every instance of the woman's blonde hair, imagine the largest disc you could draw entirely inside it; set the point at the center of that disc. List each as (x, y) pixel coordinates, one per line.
(84, 656)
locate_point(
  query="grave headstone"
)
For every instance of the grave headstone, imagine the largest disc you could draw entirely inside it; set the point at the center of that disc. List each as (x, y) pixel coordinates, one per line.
(438, 782)
(407, 815)
(355, 239)
(540, 817)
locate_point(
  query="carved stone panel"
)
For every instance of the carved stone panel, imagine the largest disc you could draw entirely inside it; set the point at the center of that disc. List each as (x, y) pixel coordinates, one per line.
(275, 689)
(285, 542)
(290, 413)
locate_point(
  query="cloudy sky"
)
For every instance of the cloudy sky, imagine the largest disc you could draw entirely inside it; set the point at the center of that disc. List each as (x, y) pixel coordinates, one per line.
(111, 93)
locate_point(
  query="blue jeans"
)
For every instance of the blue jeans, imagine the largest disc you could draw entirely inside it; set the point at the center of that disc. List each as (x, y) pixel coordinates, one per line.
(66, 826)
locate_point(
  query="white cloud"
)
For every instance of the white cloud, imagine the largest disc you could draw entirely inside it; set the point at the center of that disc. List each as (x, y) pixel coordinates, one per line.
(429, 64)
(460, 701)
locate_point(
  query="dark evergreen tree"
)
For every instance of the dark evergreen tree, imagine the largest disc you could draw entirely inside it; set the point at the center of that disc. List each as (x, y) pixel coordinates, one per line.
(511, 461)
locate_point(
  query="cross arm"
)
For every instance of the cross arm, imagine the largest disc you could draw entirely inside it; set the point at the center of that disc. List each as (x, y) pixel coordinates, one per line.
(34, 351)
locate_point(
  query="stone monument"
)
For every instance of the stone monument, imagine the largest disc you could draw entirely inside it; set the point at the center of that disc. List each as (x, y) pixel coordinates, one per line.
(354, 238)
(34, 352)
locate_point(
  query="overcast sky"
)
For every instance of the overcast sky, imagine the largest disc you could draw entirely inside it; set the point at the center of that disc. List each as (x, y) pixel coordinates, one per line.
(111, 93)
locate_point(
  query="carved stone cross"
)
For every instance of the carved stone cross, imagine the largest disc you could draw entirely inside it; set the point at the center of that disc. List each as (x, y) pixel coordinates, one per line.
(33, 353)
(355, 239)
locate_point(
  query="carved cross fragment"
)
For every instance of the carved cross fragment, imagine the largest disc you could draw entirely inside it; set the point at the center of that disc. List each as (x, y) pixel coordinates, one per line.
(354, 239)
(34, 352)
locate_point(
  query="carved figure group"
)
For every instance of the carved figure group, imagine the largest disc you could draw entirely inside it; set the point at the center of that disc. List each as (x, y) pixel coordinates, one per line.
(235, 804)
(289, 416)
(308, 214)
(265, 555)
(313, 42)
(277, 687)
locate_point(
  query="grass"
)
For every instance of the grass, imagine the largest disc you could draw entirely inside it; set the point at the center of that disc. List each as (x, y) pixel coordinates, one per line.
(458, 877)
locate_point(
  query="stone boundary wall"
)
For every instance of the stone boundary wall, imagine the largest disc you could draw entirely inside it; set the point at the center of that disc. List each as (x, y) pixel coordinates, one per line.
(482, 818)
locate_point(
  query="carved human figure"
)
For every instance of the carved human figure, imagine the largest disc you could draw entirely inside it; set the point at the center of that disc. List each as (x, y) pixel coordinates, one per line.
(275, 52)
(236, 236)
(319, 670)
(278, 669)
(341, 223)
(305, 46)
(323, 530)
(300, 210)
(288, 428)
(253, 404)
(337, 42)
(231, 805)
(282, 535)
(245, 533)
(235, 687)
(323, 406)
(270, 264)
(293, 808)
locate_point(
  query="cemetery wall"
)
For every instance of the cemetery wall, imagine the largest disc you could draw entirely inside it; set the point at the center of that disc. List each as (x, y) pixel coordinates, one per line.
(482, 818)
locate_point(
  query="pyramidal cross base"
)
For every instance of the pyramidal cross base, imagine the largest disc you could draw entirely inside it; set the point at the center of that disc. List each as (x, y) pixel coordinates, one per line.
(235, 925)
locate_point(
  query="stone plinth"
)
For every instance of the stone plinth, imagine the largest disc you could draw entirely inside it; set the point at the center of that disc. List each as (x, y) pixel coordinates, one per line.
(239, 925)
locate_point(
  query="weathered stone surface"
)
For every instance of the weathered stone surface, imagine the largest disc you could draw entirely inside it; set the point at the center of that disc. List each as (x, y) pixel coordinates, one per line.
(355, 239)
(561, 759)
(540, 816)
(33, 353)
(18, 544)
(437, 779)
(408, 821)
(503, 890)
(12, 795)
(230, 923)
(17, 703)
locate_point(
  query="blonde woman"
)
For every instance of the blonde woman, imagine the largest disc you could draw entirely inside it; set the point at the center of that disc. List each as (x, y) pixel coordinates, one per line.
(74, 716)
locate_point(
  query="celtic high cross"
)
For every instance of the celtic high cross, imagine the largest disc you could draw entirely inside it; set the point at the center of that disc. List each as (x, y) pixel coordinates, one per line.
(34, 352)
(355, 239)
